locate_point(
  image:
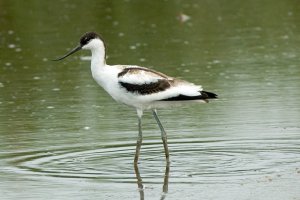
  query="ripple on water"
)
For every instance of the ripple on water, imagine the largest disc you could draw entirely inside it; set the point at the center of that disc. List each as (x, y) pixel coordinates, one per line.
(194, 161)
(236, 160)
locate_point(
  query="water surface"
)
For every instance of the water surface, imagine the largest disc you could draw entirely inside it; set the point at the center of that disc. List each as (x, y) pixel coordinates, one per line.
(61, 135)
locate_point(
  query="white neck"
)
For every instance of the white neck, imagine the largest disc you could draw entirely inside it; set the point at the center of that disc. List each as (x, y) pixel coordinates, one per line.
(98, 57)
(98, 52)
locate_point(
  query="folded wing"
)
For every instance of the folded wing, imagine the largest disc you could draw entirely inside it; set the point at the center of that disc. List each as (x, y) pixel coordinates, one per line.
(143, 81)
(160, 87)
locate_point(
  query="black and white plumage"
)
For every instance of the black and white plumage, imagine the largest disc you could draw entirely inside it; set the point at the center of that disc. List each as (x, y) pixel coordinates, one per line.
(139, 87)
(143, 81)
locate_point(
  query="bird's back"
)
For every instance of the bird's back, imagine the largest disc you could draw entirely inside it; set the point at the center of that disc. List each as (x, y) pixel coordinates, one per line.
(145, 88)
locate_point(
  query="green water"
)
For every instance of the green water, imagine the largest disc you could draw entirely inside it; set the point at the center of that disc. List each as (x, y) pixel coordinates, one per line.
(63, 137)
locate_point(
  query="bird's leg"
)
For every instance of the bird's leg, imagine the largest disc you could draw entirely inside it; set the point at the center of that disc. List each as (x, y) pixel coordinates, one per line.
(163, 135)
(166, 182)
(140, 137)
(139, 182)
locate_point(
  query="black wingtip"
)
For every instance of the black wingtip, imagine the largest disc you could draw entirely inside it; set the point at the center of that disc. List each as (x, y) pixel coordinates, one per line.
(208, 95)
(205, 96)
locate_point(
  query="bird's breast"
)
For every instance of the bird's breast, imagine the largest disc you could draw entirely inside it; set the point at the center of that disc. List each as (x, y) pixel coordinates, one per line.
(107, 78)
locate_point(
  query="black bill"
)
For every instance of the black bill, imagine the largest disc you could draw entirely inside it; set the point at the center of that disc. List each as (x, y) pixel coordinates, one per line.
(70, 53)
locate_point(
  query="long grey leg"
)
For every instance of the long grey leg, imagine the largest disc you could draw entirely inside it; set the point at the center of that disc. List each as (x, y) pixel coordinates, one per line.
(140, 137)
(139, 182)
(163, 135)
(166, 182)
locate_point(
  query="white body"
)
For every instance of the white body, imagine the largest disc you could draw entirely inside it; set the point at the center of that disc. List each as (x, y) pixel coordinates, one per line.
(107, 77)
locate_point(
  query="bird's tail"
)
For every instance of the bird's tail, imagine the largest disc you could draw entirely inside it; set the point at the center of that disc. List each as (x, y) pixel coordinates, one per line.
(205, 96)
(208, 95)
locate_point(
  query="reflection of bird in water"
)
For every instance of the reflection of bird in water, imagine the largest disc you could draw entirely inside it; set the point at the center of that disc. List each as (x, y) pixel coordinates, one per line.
(165, 184)
(139, 87)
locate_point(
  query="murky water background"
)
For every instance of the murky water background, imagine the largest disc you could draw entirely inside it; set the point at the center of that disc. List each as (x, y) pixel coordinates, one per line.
(62, 137)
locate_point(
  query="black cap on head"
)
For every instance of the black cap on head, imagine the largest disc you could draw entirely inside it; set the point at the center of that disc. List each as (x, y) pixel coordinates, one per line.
(88, 37)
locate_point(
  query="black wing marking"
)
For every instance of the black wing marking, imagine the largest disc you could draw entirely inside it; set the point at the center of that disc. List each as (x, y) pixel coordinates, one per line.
(160, 82)
(149, 88)
(204, 96)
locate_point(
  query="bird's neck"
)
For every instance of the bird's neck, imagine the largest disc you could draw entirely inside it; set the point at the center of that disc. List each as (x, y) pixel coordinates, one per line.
(98, 57)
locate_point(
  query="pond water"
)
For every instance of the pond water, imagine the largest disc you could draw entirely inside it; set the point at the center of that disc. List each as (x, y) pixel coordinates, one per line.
(63, 137)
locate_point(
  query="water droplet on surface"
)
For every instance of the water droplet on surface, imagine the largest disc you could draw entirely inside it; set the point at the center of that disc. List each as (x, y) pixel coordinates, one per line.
(183, 17)
(216, 61)
(36, 78)
(11, 46)
(115, 23)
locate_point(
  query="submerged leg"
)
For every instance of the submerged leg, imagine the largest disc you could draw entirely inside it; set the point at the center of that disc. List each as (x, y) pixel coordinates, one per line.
(140, 137)
(163, 135)
(139, 182)
(166, 182)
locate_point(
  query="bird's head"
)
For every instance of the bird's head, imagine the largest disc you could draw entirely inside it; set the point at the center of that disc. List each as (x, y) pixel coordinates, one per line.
(89, 41)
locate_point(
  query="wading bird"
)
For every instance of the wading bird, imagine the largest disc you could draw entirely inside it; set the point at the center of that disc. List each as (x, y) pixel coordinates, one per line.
(139, 87)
